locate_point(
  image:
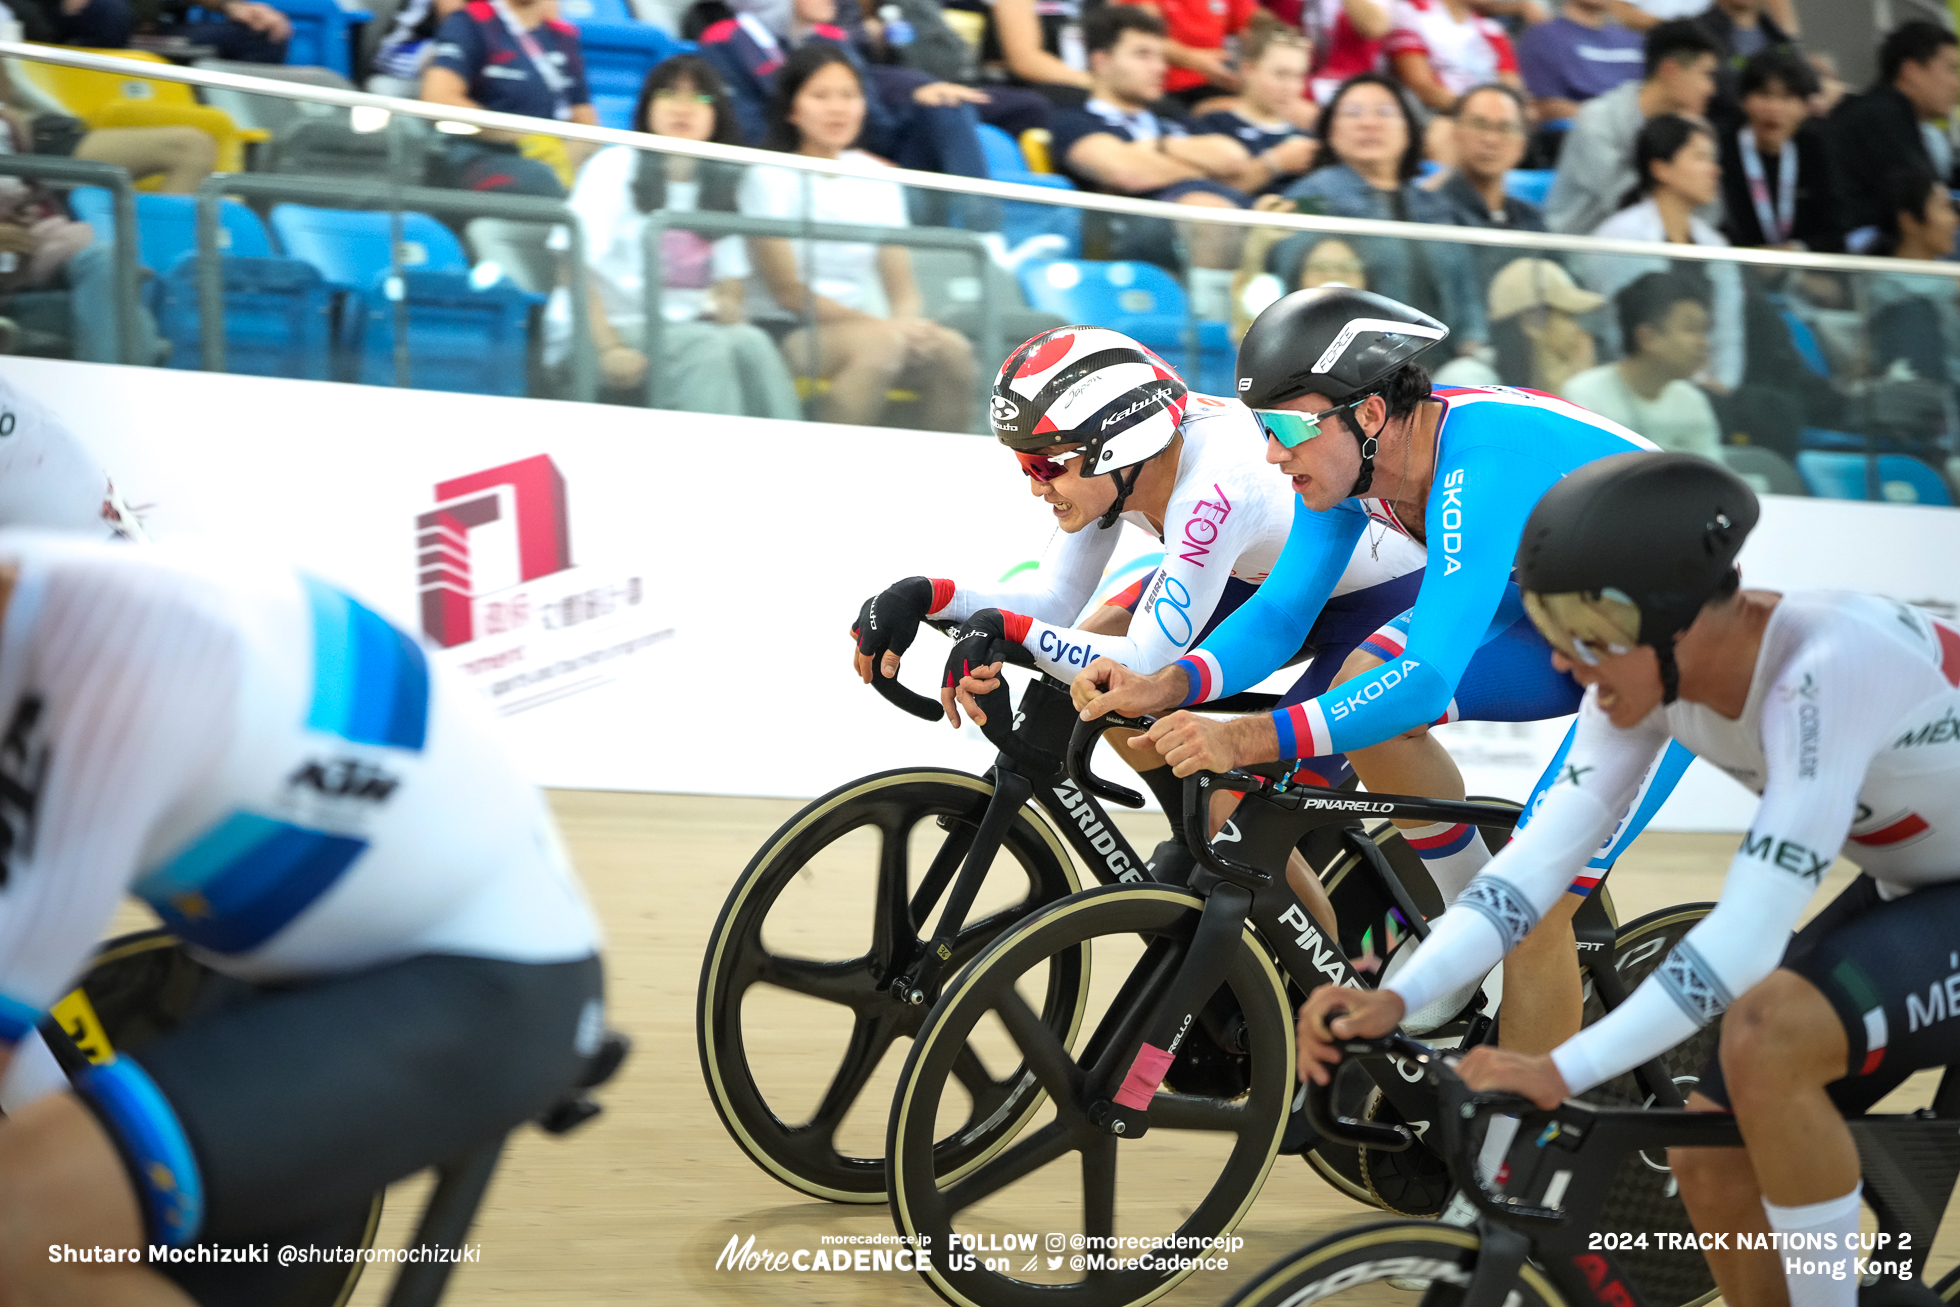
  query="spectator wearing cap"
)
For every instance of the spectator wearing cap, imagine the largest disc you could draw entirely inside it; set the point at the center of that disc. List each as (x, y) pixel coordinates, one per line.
(1271, 116)
(1371, 149)
(1776, 182)
(507, 56)
(1441, 48)
(1536, 334)
(1894, 125)
(1195, 32)
(1664, 319)
(931, 127)
(1595, 165)
(1580, 54)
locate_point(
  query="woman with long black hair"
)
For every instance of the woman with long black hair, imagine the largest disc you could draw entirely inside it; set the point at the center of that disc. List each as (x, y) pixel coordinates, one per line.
(712, 359)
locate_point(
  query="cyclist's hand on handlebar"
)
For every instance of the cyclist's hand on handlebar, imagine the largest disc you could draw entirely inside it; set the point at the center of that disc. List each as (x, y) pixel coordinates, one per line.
(1534, 1075)
(982, 680)
(1191, 743)
(1333, 1013)
(1106, 686)
(887, 624)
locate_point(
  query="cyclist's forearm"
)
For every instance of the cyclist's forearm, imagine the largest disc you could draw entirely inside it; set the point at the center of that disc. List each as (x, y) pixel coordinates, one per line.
(1254, 740)
(1373, 707)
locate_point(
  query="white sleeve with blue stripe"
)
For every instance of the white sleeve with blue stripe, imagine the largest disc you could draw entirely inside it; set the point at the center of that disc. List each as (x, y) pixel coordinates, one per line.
(116, 701)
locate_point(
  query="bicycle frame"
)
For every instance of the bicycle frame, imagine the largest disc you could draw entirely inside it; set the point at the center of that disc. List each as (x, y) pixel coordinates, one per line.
(1570, 1157)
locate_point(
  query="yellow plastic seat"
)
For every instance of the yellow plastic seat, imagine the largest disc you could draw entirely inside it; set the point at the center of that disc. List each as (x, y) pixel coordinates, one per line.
(104, 100)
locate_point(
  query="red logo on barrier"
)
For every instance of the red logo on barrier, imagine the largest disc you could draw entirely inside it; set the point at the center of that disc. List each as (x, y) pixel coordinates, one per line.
(442, 538)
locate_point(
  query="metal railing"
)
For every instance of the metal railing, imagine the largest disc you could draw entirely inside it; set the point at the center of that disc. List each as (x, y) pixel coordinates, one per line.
(735, 224)
(482, 119)
(352, 193)
(115, 180)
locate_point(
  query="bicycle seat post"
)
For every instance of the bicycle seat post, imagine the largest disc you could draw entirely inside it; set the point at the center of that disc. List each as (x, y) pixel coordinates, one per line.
(445, 1223)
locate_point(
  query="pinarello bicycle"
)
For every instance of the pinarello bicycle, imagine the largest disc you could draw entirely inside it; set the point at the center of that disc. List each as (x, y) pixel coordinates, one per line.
(1227, 957)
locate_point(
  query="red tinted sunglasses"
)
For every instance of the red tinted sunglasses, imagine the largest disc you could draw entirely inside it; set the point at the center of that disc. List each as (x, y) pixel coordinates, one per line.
(1043, 468)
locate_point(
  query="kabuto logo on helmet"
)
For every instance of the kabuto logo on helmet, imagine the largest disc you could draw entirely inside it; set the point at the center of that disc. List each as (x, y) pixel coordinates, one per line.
(1156, 398)
(1003, 411)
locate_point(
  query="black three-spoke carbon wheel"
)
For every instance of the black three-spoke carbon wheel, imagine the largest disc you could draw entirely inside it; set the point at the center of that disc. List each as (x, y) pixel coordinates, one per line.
(1644, 1194)
(1133, 1213)
(1393, 1264)
(892, 843)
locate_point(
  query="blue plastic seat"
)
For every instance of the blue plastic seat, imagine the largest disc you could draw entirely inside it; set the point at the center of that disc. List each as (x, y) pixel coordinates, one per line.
(322, 34)
(1805, 340)
(1531, 185)
(166, 225)
(1005, 162)
(596, 11)
(1901, 479)
(461, 337)
(350, 247)
(1140, 300)
(278, 317)
(619, 53)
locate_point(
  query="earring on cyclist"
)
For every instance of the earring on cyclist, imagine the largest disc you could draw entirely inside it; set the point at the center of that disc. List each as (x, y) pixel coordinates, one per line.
(1369, 445)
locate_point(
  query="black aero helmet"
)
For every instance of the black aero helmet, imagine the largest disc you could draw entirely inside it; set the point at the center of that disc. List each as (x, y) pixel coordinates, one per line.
(1625, 551)
(1334, 341)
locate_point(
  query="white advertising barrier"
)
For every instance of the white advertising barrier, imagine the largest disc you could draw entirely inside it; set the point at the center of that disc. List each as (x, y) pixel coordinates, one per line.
(660, 601)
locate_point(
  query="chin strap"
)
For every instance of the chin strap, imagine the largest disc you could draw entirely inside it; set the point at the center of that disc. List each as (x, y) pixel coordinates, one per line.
(1123, 489)
(1369, 444)
(1670, 672)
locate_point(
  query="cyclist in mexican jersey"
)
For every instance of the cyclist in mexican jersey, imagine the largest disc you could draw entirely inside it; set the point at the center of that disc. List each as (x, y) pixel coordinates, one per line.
(321, 814)
(1842, 711)
(1459, 468)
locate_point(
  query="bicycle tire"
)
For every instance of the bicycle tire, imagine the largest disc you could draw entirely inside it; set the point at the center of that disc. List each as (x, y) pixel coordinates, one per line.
(894, 802)
(924, 1208)
(1356, 1265)
(1643, 1196)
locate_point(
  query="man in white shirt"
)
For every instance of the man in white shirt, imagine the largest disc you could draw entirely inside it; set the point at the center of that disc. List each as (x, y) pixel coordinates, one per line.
(1664, 320)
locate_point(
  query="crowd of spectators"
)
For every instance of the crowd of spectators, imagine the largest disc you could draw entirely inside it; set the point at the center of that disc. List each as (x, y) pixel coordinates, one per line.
(1684, 123)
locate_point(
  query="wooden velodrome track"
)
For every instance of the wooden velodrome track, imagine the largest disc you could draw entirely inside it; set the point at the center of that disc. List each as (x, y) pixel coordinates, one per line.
(637, 1206)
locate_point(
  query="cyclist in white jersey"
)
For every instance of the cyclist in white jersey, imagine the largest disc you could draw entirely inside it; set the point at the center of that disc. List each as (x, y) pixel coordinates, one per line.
(321, 814)
(49, 479)
(1842, 711)
(1107, 433)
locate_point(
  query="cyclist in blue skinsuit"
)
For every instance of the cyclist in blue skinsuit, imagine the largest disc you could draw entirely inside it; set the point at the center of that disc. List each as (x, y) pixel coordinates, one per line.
(1461, 469)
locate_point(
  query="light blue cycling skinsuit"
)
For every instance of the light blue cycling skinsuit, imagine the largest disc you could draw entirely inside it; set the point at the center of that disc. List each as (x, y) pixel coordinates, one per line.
(1466, 651)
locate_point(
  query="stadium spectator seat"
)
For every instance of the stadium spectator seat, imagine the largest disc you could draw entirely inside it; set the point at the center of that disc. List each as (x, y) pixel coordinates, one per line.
(1019, 221)
(1766, 471)
(1141, 300)
(278, 311)
(113, 100)
(323, 34)
(619, 53)
(271, 113)
(1531, 185)
(519, 249)
(952, 296)
(1901, 480)
(1038, 148)
(596, 11)
(1808, 347)
(465, 332)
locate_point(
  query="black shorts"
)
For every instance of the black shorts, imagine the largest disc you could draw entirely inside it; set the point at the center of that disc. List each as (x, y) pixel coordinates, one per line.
(1892, 973)
(288, 1107)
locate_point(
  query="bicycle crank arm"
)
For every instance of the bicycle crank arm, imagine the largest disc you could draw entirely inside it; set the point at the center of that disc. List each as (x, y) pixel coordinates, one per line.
(1126, 1110)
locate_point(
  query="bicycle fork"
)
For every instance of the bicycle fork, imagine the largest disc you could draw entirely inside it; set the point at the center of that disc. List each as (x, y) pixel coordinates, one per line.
(1122, 1088)
(921, 977)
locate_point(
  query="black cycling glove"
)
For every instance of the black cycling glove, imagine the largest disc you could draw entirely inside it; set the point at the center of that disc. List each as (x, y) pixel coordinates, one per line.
(890, 619)
(983, 640)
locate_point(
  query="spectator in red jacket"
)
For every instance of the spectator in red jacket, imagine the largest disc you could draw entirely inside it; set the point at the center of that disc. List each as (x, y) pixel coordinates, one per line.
(1346, 38)
(1441, 48)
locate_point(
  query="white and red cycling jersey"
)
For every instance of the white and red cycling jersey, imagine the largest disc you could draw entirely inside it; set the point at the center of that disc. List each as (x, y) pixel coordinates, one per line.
(1228, 518)
(1851, 735)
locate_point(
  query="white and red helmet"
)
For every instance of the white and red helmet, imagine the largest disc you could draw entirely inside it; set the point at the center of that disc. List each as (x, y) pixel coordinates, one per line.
(1088, 386)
